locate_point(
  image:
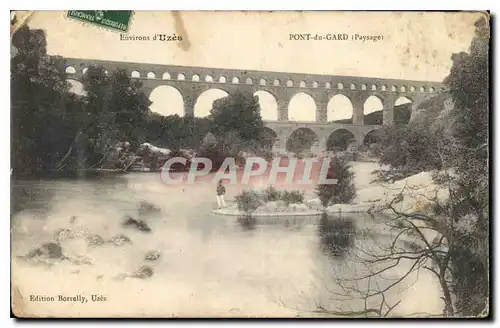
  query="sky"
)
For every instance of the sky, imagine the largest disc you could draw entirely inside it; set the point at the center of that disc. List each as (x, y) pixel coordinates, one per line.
(415, 46)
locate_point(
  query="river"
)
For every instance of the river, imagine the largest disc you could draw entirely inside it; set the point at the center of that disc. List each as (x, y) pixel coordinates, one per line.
(209, 265)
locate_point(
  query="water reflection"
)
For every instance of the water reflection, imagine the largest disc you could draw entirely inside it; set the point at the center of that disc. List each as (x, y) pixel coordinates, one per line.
(247, 222)
(336, 234)
(291, 223)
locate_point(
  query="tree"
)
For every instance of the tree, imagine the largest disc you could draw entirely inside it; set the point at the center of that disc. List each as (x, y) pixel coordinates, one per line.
(39, 101)
(238, 117)
(300, 141)
(409, 149)
(468, 84)
(114, 110)
(343, 191)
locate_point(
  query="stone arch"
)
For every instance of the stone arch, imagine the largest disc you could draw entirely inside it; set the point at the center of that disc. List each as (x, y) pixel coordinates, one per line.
(262, 82)
(166, 76)
(339, 108)
(106, 72)
(236, 80)
(363, 86)
(70, 70)
(373, 104)
(352, 86)
(403, 88)
(374, 87)
(195, 78)
(394, 88)
(276, 82)
(289, 83)
(269, 138)
(135, 74)
(167, 100)
(340, 86)
(151, 75)
(181, 77)
(302, 84)
(302, 107)
(403, 109)
(268, 105)
(384, 87)
(431, 89)
(301, 140)
(328, 85)
(249, 80)
(209, 78)
(422, 89)
(373, 136)
(315, 84)
(84, 70)
(76, 87)
(340, 139)
(205, 100)
(412, 88)
(403, 100)
(222, 79)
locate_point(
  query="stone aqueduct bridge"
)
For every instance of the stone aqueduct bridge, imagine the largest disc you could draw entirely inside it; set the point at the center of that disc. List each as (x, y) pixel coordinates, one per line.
(191, 82)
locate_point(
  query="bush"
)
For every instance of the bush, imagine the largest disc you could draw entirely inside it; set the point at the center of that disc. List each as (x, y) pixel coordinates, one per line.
(344, 191)
(292, 197)
(248, 201)
(271, 194)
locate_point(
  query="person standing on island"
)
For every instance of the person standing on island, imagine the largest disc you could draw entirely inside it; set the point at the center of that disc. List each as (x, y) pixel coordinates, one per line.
(221, 190)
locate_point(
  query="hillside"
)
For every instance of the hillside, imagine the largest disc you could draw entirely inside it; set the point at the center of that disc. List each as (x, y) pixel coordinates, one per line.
(428, 110)
(402, 114)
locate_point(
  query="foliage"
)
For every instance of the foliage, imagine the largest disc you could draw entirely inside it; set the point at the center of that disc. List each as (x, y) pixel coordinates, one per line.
(271, 194)
(248, 201)
(343, 191)
(467, 152)
(292, 197)
(238, 116)
(300, 140)
(411, 148)
(39, 104)
(175, 132)
(456, 144)
(53, 128)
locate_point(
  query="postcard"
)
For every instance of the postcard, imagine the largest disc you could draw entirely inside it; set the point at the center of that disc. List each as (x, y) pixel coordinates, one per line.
(249, 164)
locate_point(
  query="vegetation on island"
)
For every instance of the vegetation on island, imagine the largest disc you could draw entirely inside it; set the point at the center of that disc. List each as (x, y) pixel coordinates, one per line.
(249, 200)
(343, 191)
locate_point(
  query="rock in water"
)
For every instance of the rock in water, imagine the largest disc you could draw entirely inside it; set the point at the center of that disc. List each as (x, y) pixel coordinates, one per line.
(47, 250)
(139, 224)
(152, 256)
(147, 208)
(120, 240)
(94, 240)
(144, 272)
(64, 234)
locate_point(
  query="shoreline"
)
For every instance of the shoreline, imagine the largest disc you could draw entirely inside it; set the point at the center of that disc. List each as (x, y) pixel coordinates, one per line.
(413, 194)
